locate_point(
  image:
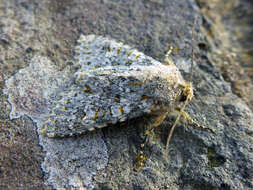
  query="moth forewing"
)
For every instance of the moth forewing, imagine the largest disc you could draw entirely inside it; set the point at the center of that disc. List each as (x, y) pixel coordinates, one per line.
(114, 83)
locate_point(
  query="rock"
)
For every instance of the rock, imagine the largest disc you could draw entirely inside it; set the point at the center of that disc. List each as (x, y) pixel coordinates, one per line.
(197, 159)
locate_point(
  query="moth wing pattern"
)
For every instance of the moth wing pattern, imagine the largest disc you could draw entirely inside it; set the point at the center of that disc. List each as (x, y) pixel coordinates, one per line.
(114, 83)
(96, 51)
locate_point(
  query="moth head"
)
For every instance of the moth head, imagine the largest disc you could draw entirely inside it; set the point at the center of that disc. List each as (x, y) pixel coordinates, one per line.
(187, 93)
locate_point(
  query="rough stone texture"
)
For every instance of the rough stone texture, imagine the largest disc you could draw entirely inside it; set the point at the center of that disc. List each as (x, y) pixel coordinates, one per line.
(71, 163)
(227, 26)
(33, 91)
(197, 159)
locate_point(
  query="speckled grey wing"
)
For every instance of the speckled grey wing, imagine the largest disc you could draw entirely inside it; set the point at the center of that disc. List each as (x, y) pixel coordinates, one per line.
(114, 83)
(93, 52)
(98, 99)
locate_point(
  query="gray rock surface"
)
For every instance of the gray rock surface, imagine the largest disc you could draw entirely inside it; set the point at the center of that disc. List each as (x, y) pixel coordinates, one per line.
(197, 159)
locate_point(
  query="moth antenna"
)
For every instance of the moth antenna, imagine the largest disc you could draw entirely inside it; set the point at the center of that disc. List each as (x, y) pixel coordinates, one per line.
(188, 91)
(192, 54)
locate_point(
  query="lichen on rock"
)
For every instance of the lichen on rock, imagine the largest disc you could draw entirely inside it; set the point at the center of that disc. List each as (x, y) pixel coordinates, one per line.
(32, 91)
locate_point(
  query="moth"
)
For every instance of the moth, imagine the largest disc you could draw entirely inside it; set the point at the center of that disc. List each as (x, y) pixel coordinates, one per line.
(115, 83)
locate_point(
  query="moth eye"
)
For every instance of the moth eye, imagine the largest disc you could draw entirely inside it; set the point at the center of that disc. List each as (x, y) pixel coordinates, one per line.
(183, 98)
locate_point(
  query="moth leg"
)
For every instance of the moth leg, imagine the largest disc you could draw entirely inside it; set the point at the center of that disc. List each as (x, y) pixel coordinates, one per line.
(141, 158)
(188, 118)
(167, 59)
(189, 94)
(181, 112)
(153, 123)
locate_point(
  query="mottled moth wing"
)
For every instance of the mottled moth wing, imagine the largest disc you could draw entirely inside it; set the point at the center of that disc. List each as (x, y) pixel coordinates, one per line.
(114, 83)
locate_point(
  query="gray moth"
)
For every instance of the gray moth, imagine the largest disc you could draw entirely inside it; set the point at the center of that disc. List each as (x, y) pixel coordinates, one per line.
(109, 83)
(113, 83)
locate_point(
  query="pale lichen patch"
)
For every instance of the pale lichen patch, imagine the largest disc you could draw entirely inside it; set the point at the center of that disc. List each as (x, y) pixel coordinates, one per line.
(39, 91)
